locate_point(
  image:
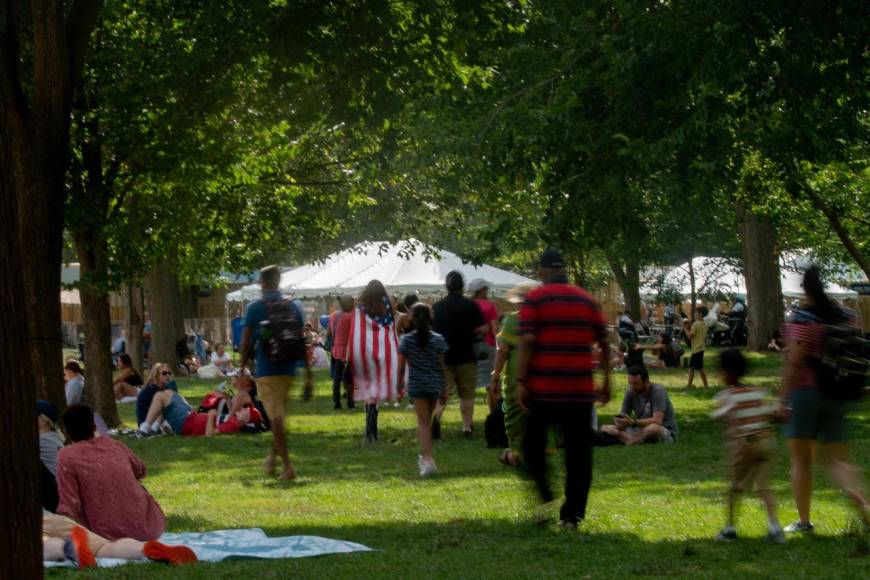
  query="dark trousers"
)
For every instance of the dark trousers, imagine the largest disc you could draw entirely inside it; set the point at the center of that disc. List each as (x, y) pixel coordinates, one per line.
(574, 421)
(371, 423)
(338, 377)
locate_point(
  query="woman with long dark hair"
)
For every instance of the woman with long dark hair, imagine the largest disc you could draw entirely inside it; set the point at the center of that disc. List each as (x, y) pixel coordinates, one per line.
(128, 380)
(423, 352)
(815, 420)
(373, 353)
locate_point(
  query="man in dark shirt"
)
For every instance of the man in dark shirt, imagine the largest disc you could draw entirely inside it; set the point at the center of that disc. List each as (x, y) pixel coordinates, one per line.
(458, 319)
(559, 323)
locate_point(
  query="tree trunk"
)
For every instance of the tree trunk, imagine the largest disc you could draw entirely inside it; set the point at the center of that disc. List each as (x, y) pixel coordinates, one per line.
(97, 318)
(134, 324)
(837, 224)
(693, 294)
(763, 283)
(629, 281)
(167, 318)
(19, 448)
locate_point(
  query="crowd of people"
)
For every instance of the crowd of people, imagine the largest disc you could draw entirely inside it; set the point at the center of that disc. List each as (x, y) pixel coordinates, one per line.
(538, 364)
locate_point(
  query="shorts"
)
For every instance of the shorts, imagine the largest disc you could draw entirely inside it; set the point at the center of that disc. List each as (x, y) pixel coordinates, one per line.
(195, 425)
(749, 463)
(696, 362)
(424, 394)
(176, 413)
(461, 380)
(815, 416)
(55, 526)
(665, 436)
(274, 391)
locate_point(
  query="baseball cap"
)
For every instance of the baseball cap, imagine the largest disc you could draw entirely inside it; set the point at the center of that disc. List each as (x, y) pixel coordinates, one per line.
(552, 258)
(48, 410)
(477, 284)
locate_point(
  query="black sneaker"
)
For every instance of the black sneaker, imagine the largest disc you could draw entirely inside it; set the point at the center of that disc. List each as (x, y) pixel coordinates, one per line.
(800, 527)
(436, 428)
(726, 535)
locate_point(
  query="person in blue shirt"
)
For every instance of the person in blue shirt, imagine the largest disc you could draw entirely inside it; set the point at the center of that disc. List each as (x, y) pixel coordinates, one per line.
(274, 380)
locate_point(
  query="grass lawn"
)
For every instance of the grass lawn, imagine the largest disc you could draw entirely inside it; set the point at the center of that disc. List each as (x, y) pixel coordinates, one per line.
(653, 510)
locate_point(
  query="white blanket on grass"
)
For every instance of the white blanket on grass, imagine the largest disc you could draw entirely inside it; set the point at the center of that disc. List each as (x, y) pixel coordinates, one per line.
(250, 543)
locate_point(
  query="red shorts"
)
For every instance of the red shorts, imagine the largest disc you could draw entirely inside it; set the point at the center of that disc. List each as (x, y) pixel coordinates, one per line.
(194, 425)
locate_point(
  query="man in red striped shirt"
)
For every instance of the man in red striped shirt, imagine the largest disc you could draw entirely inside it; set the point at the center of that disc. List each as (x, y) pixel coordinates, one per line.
(559, 324)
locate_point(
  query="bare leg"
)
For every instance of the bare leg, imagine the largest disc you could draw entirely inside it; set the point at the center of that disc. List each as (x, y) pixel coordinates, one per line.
(123, 549)
(158, 403)
(280, 449)
(691, 377)
(801, 451)
(466, 408)
(52, 549)
(769, 506)
(703, 377)
(424, 409)
(731, 506)
(846, 476)
(616, 432)
(124, 390)
(647, 433)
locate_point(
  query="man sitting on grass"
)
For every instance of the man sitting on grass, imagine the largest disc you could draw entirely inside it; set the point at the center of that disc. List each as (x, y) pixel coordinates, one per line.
(647, 415)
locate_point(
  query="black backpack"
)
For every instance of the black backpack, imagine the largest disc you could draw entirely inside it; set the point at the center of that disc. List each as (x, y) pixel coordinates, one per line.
(845, 362)
(493, 428)
(282, 335)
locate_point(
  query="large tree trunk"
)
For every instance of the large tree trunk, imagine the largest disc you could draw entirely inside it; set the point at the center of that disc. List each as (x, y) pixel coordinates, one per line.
(763, 284)
(628, 279)
(19, 468)
(134, 323)
(97, 318)
(163, 295)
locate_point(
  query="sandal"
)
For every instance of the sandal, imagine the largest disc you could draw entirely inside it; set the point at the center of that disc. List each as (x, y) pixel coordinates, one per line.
(507, 458)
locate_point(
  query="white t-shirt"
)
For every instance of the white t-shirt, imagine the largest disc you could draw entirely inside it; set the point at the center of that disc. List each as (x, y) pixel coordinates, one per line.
(220, 360)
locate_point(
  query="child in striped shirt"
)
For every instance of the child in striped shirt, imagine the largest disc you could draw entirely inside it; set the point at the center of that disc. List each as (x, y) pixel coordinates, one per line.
(747, 415)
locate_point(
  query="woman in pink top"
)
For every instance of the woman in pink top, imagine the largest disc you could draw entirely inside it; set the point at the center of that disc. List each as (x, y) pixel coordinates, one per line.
(98, 483)
(339, 331)
(479, 289)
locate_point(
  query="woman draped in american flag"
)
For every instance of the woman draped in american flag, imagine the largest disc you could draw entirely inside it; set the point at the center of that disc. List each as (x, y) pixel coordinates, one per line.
(373, 353)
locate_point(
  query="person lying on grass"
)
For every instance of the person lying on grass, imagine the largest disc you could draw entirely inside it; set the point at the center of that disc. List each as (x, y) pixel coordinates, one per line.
(171, 407)
(647, 415)
(63, 539)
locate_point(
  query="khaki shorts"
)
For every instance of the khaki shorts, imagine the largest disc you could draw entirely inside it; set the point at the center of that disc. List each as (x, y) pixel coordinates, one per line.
(55, 526)
(274, 391)
(749, 462)
(462, 380)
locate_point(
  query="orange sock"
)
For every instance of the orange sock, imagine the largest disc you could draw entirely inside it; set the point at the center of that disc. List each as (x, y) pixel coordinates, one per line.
(84, 555)
(168, 554)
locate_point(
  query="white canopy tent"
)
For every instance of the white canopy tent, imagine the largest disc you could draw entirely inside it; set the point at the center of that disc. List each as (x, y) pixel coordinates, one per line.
(722, 276)
(402, 267)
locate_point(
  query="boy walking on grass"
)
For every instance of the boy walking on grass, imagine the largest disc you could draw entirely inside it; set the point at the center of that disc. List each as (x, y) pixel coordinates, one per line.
(747, 414)
(698, 339)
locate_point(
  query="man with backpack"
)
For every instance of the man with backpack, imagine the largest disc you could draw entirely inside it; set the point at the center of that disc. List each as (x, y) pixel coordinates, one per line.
(274, 328)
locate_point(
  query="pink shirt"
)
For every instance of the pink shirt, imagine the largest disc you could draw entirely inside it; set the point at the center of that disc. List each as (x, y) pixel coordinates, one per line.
(340, 326)
(98, 485)
(490, 313)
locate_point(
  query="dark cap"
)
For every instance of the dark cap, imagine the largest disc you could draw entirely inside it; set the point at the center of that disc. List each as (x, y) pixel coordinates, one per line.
(552, 258)
(47, 409)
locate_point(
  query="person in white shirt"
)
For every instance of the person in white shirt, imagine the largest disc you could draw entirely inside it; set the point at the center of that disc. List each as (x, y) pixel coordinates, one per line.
(221, 359)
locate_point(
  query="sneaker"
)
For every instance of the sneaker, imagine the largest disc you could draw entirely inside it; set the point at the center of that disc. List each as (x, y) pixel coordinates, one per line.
(427, 468)
(568, 525)
(800, 527)
(726, 535)
(84, 557)
(169, 554)
(776, 536)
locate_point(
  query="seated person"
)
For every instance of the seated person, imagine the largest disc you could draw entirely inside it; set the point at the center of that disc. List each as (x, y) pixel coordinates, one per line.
(653, 421)
(184, 351)
(128, 380)
(627, 330)
(98, 480)
(50, 442)
(776, 344)
(159, 378)
(221, 359)
(75, 383)
(669, 352)
(628, 356)
(63, 539)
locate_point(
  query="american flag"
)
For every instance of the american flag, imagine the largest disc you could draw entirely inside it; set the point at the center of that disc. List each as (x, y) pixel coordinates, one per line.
(373, 356)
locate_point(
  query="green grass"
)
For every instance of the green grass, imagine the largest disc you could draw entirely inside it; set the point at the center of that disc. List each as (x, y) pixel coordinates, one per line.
(653, 509)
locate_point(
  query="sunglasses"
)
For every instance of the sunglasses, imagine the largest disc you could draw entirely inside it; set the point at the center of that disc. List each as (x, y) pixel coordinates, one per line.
(166, 373)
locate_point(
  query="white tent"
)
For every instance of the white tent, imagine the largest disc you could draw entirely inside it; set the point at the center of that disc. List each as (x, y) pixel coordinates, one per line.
(402, 267)
(720, 275)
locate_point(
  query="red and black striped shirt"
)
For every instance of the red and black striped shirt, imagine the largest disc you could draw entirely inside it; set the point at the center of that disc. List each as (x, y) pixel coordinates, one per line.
(566, 321)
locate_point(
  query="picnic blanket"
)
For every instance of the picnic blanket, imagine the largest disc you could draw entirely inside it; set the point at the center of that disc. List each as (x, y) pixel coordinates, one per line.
(242, 544)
